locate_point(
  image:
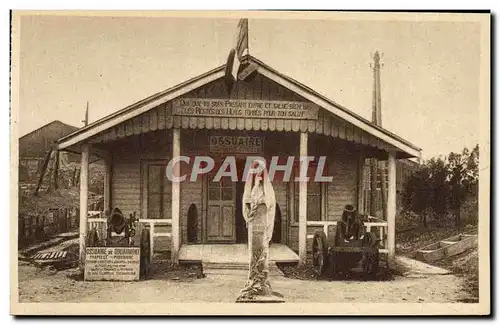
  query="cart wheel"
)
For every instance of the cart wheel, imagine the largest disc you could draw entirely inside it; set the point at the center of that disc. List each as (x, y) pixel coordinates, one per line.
(92, 239)
(320, 253)
(145, 252)
(371, 263)
(371, 259)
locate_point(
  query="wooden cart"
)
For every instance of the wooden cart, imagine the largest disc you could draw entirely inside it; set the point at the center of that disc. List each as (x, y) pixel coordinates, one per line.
(337, 253)
(328, 259)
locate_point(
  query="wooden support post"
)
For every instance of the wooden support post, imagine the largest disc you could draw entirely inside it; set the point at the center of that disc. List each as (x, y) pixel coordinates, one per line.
(176, 186)
(383, 187)
(391, 206)
(303, 205)
(107, 185)
(73, 178)
(56, 170)
(361, 181)
(151, 241)
(44, 169)
(78, 177)
(84, 196)
(373, 187)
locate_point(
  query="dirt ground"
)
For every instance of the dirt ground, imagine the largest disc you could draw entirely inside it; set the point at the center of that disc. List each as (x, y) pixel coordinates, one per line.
(464, 265)
(186, 285)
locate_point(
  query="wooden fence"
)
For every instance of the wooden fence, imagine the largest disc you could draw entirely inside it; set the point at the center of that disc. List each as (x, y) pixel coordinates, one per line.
(35, 228)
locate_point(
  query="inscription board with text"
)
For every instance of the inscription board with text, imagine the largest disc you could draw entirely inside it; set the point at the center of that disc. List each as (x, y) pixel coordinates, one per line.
(236, 144)
(245, 108)
(112, 263)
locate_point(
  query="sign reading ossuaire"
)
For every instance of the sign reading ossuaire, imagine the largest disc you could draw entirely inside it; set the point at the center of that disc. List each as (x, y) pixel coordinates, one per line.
(112, 263)
(245, 108)
(235, 144)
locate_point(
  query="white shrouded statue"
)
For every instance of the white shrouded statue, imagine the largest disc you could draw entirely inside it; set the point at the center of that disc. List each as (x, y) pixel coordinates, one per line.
(259, 206)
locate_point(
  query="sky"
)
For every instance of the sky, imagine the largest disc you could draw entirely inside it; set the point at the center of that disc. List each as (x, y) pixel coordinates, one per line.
(430, 74)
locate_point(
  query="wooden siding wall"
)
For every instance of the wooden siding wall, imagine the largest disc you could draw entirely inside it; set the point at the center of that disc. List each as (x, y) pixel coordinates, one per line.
(341, 161)
(281, 193)
(129, 155)
(126, 177)
(191, 193)
(342, 165)
(260, 87)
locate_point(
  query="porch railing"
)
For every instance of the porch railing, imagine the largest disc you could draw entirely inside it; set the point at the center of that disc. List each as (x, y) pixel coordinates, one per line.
(378, 226)
(153, 234)
(97, 221)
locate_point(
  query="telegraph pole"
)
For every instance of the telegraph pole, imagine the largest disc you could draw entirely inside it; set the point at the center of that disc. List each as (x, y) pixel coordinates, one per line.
(85, 121)
(377, 168)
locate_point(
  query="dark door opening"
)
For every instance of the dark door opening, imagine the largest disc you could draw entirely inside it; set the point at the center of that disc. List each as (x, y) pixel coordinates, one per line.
(192, 224)
(241, 227)
(276, 238)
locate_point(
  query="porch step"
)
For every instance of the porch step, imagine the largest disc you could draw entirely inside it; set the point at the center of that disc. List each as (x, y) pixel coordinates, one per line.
(232, 254)
(236, 268)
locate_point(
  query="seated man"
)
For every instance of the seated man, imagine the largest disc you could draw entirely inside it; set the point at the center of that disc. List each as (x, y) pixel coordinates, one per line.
(351, 227)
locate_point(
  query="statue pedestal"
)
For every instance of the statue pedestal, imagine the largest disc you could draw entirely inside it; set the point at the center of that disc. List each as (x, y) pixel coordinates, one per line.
(275, 297)
(258, 288)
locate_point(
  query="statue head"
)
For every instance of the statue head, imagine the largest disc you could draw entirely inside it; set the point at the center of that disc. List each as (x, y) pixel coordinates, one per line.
(258, 187)
(257, 177)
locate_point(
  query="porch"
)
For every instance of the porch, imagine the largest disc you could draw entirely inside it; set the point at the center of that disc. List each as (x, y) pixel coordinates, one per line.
(232, 254)
(138, 142)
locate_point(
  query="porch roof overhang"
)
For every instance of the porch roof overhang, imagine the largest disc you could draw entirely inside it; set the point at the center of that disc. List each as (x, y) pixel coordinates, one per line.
(393, 142)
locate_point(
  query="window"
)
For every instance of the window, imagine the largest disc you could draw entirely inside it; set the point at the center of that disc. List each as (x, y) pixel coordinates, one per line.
(367, 195)
(223, 190)
(316, 196)
(366, 186)
(158, 192)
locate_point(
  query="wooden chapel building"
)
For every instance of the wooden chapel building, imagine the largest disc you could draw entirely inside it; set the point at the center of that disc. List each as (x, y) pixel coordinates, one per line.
(198, 118)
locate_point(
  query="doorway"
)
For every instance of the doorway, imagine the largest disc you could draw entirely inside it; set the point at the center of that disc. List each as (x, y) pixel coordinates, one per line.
(241, 226)
(224, 222)
(220, 220)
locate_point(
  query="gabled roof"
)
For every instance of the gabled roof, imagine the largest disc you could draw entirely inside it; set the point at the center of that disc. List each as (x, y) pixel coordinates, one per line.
(55, 123)
(37, 142)
(217, 73)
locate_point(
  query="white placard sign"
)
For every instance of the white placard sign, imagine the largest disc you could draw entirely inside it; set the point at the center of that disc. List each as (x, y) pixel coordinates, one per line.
(112, 263)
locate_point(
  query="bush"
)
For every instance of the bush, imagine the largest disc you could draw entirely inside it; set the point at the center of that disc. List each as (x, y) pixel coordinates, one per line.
(407, 220)
(439, 188)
